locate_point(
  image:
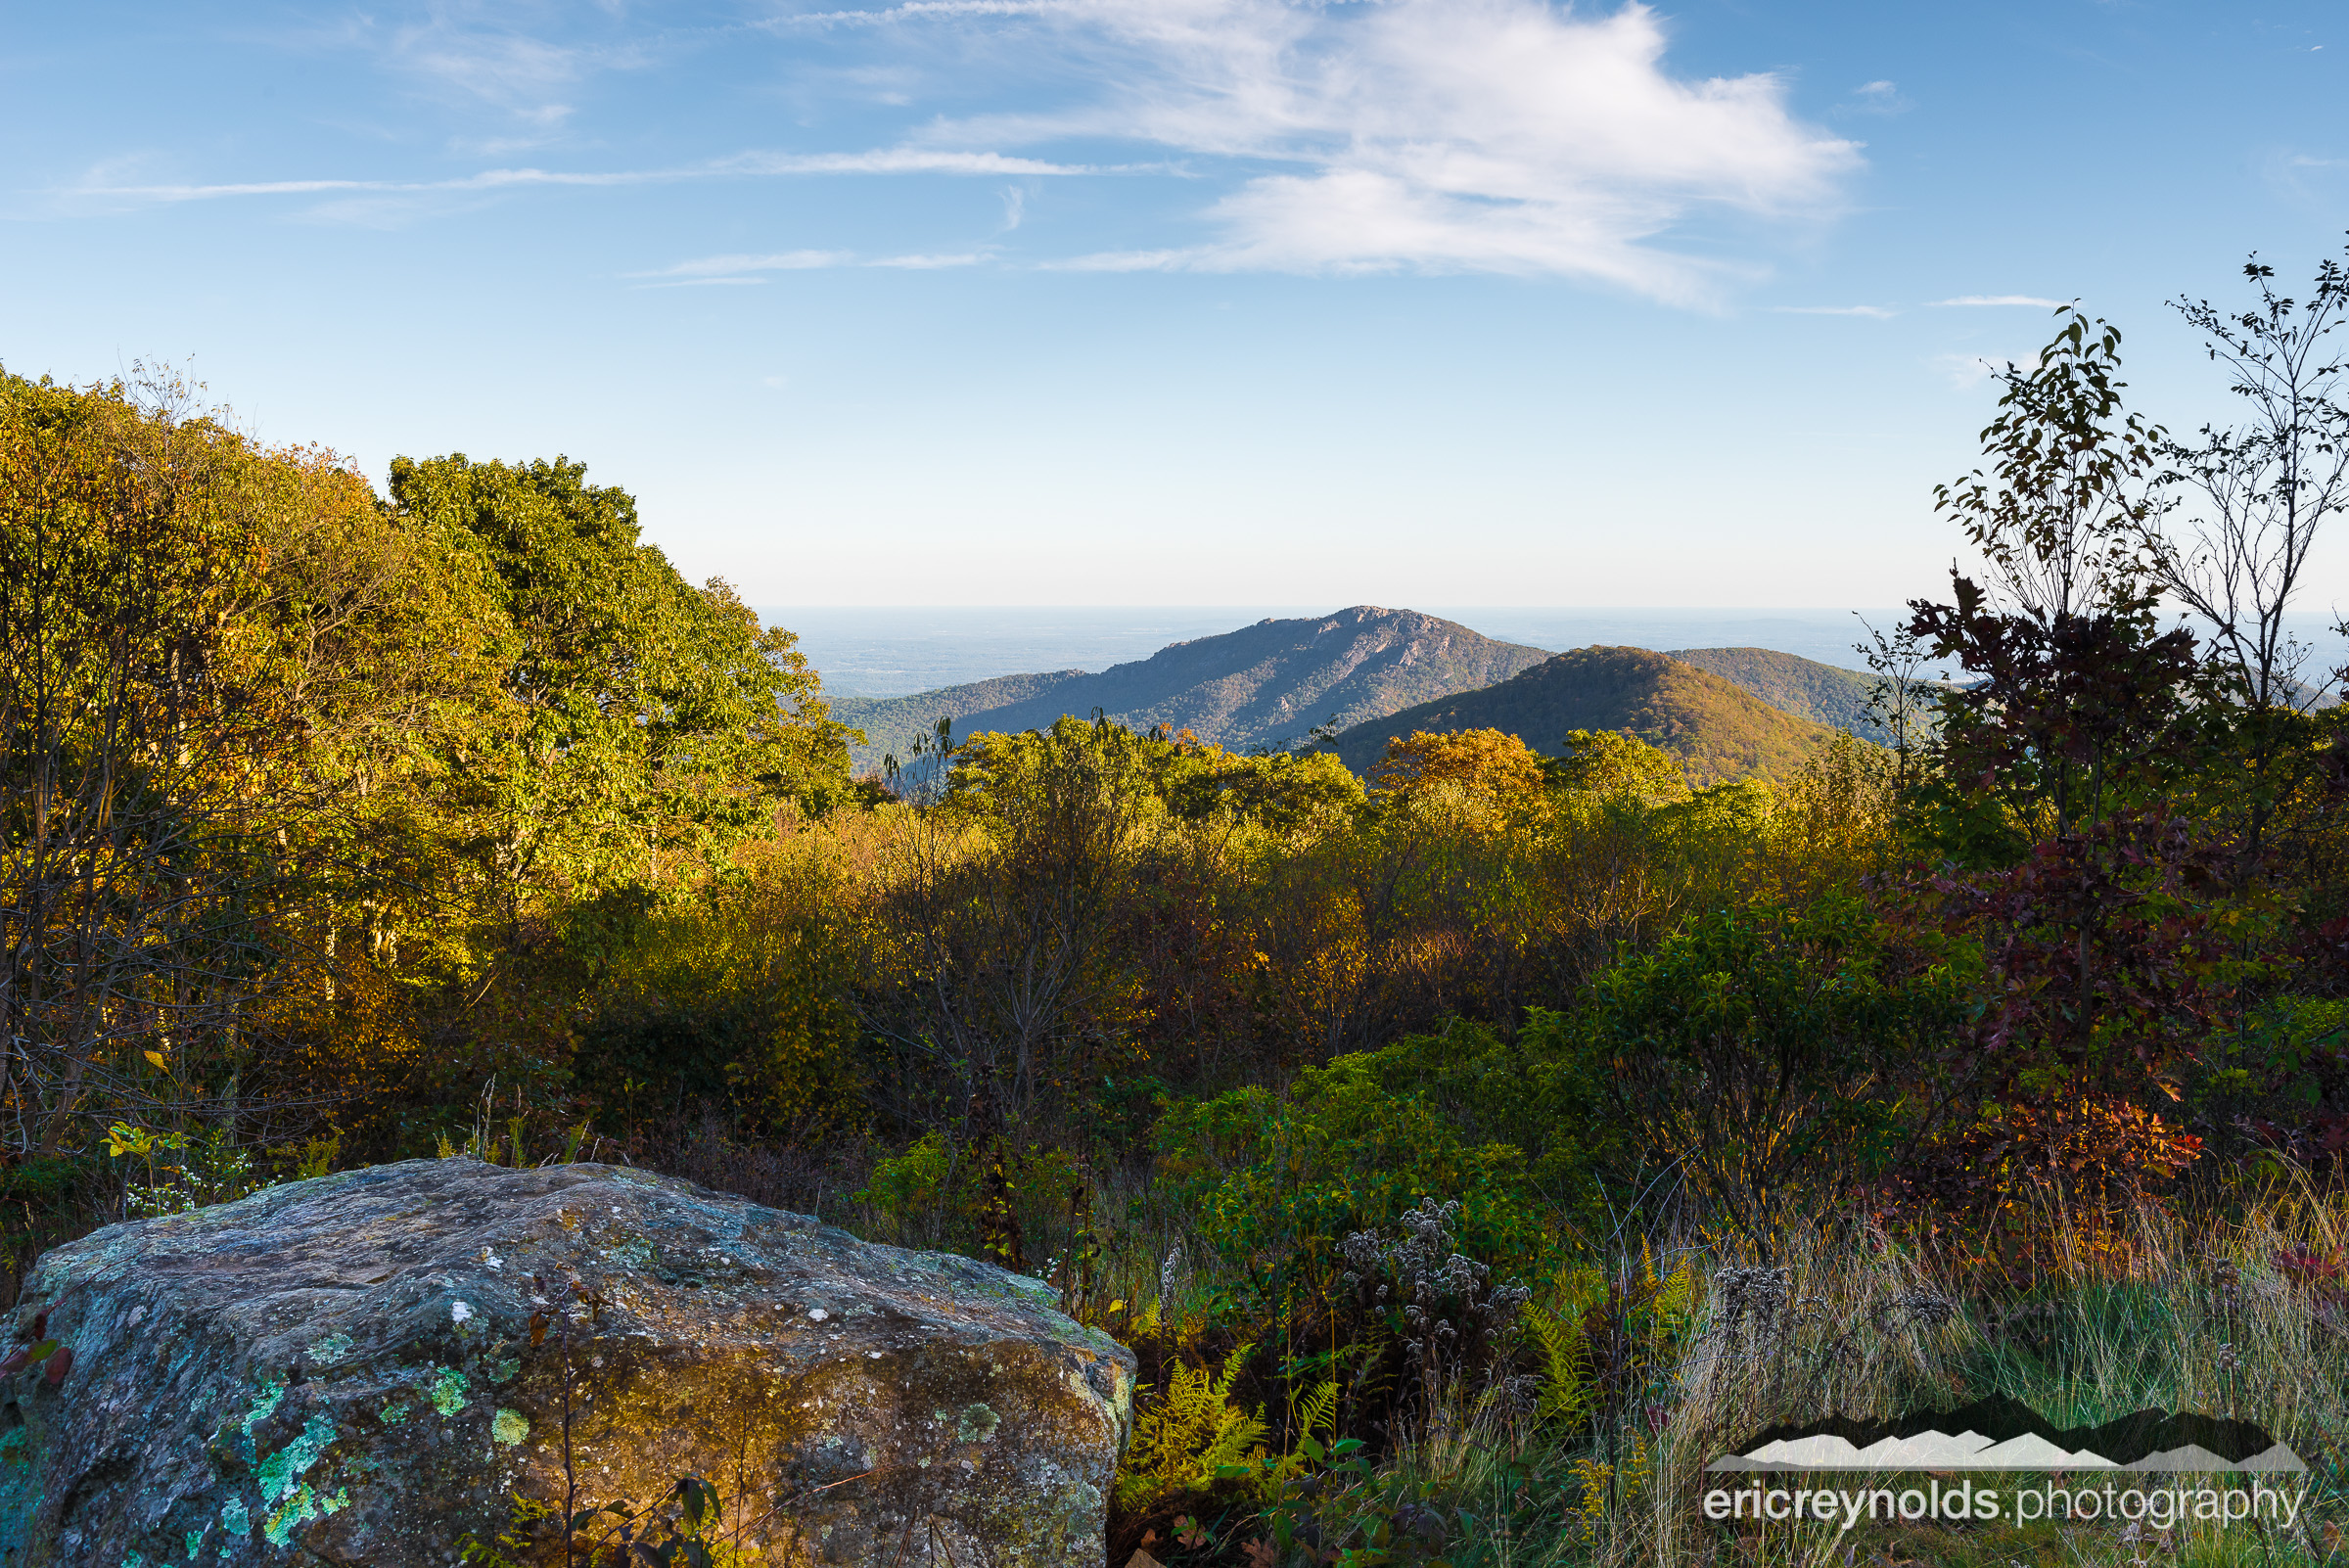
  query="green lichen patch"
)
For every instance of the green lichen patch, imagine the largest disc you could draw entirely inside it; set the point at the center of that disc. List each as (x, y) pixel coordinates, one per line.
(448, 1391)
(504, 1370)
(634, 1253)
(303, 1506)
(235, 1519)
(281, 1470)
(393, 1413)
(330, 1350)
(977, 1423)
(510, 1427)
(264, 1404)
(195, 1541)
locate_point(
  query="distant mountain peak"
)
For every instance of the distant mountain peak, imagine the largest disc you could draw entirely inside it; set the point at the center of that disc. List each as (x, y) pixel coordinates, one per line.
(1263, 685)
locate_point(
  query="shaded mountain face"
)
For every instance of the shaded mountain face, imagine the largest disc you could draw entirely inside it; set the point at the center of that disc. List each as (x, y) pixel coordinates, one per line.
(1266, 685)
(891, 724)
(1717, 730)
(1793, 684)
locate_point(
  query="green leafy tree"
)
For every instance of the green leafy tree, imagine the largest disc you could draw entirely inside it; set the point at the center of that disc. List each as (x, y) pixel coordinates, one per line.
(1608, 762)
(2078, 702)
(216, 663)
(654, 723)
(2254, 497)
(1005, 977)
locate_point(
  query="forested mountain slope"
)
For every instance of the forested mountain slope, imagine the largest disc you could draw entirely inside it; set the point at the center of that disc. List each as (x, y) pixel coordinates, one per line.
(1717, 730)
(1792, 684)
(1266, 685)
(891, 723)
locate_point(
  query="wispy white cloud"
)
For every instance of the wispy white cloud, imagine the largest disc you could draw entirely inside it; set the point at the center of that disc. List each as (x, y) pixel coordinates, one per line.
(1165, 260)
(913, 161)
(881, 160)
(747, 268)
(1877, 312)
(1964, 371)
(1876, 98)
(710, 266)
(919, 10)
(477, 52)
(1439, 135)
(1506, 136)
(2004, 300)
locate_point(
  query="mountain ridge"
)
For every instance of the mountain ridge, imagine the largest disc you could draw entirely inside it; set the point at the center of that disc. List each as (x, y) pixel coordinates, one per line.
(1263, 685)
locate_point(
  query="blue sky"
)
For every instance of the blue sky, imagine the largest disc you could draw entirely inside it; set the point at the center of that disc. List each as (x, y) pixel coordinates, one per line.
(989, 301)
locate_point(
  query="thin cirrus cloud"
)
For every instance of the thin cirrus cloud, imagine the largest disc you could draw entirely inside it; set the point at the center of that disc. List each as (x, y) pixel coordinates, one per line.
(883, 161)
(1516, 137)
(1437, 135)
(1965, 371)
(748, 269)
(1873, 312)
(2004, 300)
(1876, 98)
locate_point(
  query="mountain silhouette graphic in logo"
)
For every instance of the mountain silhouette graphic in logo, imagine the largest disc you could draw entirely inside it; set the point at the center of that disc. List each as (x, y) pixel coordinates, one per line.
(2005, 1434)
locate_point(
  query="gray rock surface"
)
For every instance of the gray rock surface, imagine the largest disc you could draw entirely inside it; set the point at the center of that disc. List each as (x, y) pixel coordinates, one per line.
(373, 1368)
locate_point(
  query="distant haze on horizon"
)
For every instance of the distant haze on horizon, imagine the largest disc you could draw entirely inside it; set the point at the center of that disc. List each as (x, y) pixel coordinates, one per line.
(892, 650)
(889, 651)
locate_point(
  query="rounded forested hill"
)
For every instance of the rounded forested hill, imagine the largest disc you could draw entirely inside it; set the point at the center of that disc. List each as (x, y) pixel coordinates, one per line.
(1717, 729)
(1805, 687)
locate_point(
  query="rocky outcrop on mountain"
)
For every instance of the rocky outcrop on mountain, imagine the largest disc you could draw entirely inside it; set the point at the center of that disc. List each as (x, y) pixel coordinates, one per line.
(402, 1365)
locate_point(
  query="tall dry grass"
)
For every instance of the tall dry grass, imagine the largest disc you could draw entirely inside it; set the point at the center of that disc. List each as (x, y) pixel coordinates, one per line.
(2242, 1313)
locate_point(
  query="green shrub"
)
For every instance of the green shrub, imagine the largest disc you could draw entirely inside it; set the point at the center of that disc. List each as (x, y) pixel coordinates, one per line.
(1277, 1185)
(911, 1184)
(1767, 1055)
(1535, 1093)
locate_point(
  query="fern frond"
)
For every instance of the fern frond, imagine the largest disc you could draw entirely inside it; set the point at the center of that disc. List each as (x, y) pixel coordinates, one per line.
(1676, 1297)
(1318, 1411)
(1188, 1432)
(1565, 1368)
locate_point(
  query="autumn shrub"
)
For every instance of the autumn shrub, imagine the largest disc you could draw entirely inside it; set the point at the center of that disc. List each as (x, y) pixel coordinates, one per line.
(1489, 766)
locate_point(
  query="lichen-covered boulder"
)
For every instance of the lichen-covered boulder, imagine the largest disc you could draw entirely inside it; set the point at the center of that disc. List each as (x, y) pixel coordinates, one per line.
(438, 1361)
